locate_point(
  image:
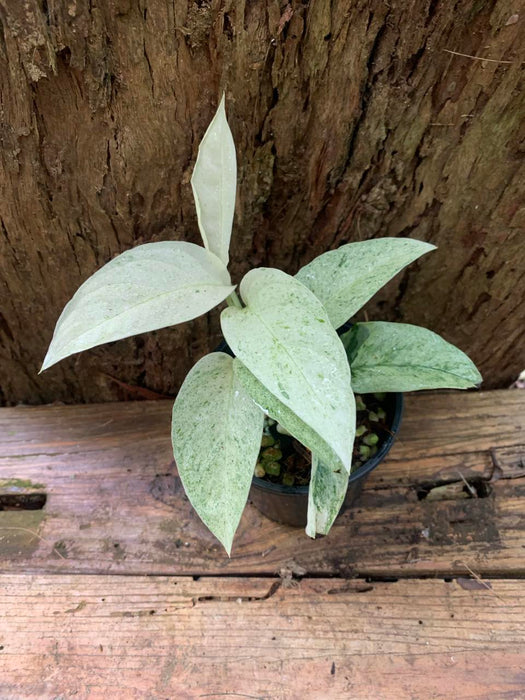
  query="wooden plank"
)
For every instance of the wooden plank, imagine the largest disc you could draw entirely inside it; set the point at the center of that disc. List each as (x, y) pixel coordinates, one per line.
(114, 502)
(137, 637)
(435, 425)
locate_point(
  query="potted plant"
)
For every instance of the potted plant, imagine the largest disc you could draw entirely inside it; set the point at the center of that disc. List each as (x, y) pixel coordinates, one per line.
(289, 362)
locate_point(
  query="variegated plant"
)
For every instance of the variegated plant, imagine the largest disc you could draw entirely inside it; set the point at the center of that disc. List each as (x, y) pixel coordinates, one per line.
(289, 360)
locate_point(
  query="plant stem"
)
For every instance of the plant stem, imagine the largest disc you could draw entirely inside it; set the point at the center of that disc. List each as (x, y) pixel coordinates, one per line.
(233, 300)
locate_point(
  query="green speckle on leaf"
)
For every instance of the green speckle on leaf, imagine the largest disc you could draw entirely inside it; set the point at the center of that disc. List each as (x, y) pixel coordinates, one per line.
(283, 390)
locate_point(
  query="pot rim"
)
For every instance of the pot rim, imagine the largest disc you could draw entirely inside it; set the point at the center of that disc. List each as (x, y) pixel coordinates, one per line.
(361, 472)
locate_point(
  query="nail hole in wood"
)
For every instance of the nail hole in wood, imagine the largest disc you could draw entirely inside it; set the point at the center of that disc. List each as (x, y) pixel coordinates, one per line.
(22, 501)
(456, 490)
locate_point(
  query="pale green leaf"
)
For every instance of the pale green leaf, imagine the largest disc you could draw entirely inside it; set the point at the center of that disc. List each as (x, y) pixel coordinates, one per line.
(285, 339)
(326, 494)
(214, 182)
(216, 435)
(328, 484)
(148, 287)
(401, 357)
(277, 410)
(346, 278)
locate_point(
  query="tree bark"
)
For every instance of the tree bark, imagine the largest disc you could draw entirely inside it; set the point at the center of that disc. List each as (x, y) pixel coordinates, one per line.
(351, 120)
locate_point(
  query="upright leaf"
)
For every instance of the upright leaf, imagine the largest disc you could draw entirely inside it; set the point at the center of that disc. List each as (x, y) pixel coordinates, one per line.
(346, 278)
(216, 435)
(401, 357)
(285, 339)
(149, 287)
(214, 182)
(325, 497)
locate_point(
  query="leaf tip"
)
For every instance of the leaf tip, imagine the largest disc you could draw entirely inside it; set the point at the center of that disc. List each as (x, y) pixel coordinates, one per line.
(474, 376)
(48, 362)
(227, 544)
(429, 247)
(310, 531)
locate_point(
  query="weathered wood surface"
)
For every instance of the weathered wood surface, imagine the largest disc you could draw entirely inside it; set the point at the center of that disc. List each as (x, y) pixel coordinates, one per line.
(86, 624)
(352, 120)
(142, 638)
(114, 503)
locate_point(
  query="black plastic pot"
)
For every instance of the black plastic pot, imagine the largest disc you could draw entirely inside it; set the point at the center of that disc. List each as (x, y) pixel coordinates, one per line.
(289, 504)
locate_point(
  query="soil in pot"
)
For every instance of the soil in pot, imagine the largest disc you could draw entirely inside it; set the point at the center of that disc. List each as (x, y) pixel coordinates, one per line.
(282, 474)
(284, 460)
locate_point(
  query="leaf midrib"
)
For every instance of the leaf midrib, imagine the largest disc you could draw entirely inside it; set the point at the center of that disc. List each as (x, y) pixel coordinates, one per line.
(358, 368)
(135, 306)
(307, 382)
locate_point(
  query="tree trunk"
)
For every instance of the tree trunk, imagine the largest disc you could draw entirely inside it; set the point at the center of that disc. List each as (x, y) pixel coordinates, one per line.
(351, 120)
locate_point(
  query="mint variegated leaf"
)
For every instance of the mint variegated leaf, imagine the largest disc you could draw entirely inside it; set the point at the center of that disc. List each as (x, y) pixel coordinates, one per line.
(148, 287)
(346, 278)
(401, 357)
(216, 435)
(284, 337)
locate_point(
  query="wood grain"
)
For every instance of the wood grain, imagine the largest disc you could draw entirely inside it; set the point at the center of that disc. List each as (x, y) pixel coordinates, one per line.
(138, 638)
(85, 614)
(115, 504)
(352, 121)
